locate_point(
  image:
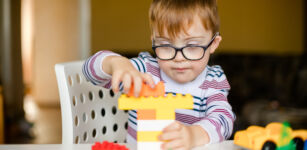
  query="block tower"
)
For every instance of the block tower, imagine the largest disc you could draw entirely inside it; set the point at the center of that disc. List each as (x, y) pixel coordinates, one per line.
(154, 112)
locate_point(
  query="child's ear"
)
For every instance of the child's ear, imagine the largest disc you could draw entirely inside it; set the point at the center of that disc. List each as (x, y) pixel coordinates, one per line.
(215, 44)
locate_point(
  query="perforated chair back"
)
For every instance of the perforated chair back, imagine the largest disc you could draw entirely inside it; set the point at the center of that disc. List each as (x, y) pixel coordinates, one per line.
(89, 112)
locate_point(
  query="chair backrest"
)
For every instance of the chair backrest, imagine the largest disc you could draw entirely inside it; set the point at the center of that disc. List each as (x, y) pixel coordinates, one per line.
(89, 112)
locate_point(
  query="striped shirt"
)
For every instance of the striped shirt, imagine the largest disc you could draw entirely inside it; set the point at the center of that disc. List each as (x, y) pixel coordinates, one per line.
(211, 109)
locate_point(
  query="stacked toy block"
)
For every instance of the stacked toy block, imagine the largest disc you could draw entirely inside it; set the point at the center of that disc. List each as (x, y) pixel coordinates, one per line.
(153, 113)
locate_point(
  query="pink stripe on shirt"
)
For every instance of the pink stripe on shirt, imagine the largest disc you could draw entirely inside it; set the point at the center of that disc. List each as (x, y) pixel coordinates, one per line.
(132, 132)
(187, 118)
(153, 70)
(217, 127)
(216, 97)
(214, 84)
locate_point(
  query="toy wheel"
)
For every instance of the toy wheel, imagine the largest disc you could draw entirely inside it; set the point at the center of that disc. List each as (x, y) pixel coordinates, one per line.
(299, 143)
(269, 146)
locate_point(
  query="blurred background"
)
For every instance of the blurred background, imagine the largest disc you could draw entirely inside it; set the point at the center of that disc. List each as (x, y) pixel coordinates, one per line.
(263, 53)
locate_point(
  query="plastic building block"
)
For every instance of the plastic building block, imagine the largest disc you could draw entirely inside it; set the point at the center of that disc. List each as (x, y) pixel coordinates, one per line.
(274, 136)
(169, 102)
(155, 111)
(149, 145)
(146, 90)
(148, 101)
(149, 130)
(108, 146)
(166, 114)
(153, 125)
(148, 136)
(146, 114)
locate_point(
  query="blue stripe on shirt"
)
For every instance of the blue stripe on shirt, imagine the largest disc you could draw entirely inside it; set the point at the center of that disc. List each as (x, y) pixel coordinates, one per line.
(137, 65)
(144, 69)
(132, 121)
(226, 134)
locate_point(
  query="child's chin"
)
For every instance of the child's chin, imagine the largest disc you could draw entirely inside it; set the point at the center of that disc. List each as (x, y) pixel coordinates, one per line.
(183, 80)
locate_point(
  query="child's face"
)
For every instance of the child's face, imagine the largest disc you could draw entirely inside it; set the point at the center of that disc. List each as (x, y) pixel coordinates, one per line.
(181, 69)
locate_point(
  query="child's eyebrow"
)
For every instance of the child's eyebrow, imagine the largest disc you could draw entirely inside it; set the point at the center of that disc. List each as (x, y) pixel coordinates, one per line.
(195, 38)
(185, 39)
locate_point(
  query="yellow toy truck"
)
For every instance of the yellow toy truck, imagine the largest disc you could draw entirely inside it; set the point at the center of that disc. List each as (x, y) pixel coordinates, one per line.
(275, 136)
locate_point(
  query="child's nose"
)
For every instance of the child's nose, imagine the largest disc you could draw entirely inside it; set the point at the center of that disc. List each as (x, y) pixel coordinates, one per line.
(179, 56)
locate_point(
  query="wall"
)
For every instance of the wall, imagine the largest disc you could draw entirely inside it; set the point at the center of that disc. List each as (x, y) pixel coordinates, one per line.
(262, 26)
(253, 26)
(120, 25)
(1, 118)
(56, 39)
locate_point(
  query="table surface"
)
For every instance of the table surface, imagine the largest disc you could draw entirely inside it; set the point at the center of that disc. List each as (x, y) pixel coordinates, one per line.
(218, 146)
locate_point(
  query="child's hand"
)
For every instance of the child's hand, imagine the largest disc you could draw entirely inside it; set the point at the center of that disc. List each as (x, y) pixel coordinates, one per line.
(178, 136)
(123, 71)
(182, 137)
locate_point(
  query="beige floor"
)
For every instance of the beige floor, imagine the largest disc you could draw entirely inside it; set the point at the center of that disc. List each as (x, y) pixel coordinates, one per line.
(47, 122)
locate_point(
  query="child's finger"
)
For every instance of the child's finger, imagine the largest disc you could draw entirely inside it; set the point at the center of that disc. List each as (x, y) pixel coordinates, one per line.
(172, 127)
(174, 145)
(137, 82)
(116, 77)
(149, 80)
(127, 82)
(168, 136)
(180, 148)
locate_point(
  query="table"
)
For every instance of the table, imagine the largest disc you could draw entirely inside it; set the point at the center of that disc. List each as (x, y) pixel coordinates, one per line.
(226, 145)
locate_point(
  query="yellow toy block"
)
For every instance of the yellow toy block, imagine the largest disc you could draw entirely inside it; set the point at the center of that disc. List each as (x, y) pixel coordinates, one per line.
(148, 136)
(169, 102)
(165, 114)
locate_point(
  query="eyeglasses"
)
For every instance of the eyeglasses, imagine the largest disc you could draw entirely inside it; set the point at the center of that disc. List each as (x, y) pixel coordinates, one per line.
(189, 52)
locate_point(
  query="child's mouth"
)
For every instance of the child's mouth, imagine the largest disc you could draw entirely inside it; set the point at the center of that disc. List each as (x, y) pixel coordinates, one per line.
(180, 69)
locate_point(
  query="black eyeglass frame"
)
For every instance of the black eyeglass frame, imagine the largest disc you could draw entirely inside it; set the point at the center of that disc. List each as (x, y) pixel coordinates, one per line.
(181, 48)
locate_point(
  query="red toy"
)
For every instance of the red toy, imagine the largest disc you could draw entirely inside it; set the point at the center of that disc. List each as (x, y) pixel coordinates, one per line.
(105, 145)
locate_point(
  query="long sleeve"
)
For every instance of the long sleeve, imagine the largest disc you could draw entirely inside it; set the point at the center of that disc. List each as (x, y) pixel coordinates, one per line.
(218, 119)
(92, 69)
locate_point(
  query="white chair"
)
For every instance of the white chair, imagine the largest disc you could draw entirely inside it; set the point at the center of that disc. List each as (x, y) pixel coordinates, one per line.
(89, 112)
